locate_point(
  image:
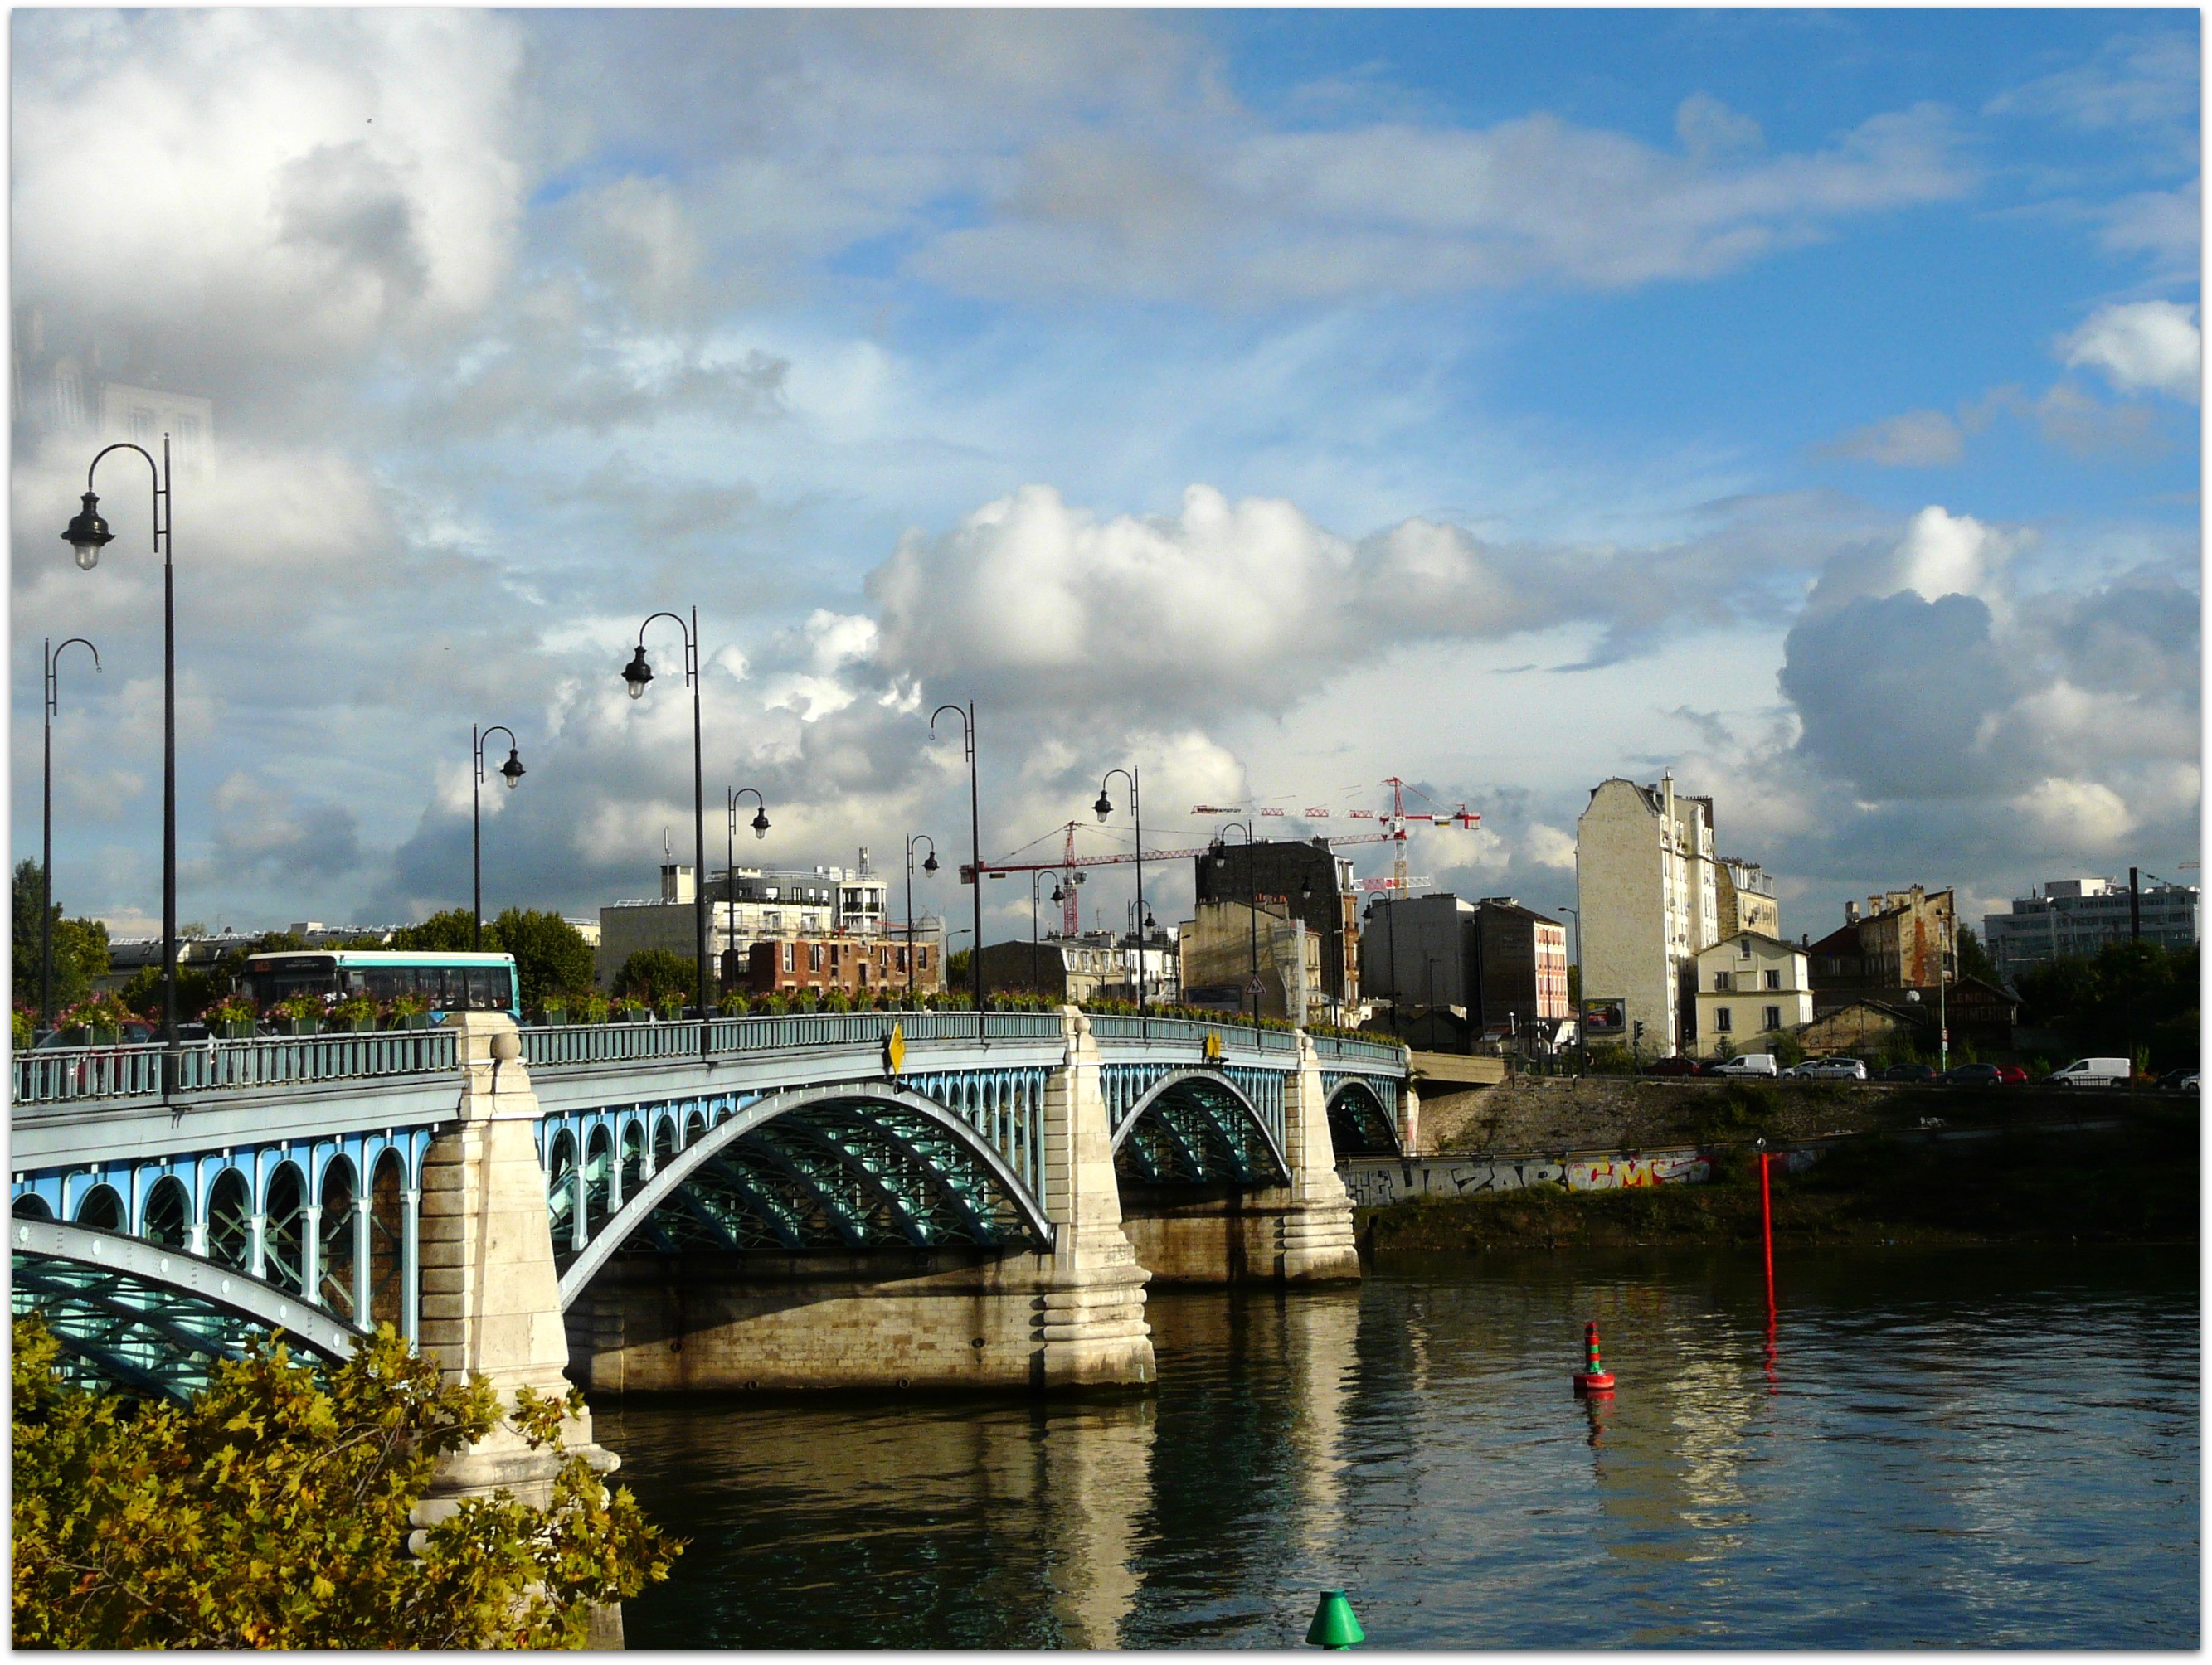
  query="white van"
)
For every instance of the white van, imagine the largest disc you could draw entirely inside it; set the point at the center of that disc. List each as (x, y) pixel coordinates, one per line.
(1747, 1063)
(2093, 1073)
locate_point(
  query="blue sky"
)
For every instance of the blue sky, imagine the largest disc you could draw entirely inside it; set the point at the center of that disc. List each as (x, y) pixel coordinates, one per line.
(1806, 402)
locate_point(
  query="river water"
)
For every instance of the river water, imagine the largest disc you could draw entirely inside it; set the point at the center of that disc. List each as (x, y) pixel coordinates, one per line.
(1965, 1446)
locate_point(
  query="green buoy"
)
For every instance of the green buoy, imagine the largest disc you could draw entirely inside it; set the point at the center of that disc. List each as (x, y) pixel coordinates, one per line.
(1335, 1624)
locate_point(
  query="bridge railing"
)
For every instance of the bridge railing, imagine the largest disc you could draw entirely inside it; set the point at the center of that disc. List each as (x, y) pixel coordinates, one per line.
(1343, 1048)
(1234, 1037)
(614, 1044)
(69, 1074)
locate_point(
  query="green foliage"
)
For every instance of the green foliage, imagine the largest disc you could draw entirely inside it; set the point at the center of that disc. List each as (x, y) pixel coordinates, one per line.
(837, 1000)
(1574, 988)
(2130, 995)
(101, 1011)
(19, 1029)
(450, 932)
(551, 955)
(80, 945)
(1973, 959)
(1788, 1052)
(735, 1005)
(657, 976)
(957, 965)
(197, 988)
(272, 1511)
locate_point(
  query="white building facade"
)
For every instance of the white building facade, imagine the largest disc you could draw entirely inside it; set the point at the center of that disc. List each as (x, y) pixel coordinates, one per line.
(2078, 916)
(1647, 890)
(1751, 987)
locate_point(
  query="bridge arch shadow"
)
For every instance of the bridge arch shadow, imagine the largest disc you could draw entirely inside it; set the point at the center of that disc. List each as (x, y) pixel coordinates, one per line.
(1193, 1126)
(1360, 1124)
(845, 1167)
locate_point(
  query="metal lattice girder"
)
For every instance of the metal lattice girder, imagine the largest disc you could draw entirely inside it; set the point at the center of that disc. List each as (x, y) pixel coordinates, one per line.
(149, 1319)
(1358, 1125)
(1198, 1130)
(821, 1177)
(871, 1177)
(786, 1226)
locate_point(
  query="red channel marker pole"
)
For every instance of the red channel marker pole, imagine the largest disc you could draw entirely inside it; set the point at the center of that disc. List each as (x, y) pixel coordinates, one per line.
(1766, 1223)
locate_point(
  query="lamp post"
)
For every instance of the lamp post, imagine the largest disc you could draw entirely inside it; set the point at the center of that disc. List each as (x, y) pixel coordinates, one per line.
(638, 673)
(47, 828)
(974, 846)
(513, 771)
(1104, 807)
(1582, 1039)
(1251, 900)
(928, 866)
(88, 534)
(1036, 881)
(729, 853)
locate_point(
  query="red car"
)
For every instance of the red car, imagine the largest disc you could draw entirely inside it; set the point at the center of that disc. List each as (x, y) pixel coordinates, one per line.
(1677, 1065)
(2013, 1075)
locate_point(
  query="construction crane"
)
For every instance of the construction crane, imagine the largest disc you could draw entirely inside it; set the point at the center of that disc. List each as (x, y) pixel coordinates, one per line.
(1393, 825)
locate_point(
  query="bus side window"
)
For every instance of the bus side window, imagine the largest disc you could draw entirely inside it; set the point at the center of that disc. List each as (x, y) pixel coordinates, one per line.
(385, 982)
(430, 983)
(488, 989)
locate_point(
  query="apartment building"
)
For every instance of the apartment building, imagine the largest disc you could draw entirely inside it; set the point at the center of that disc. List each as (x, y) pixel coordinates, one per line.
(1648, 886)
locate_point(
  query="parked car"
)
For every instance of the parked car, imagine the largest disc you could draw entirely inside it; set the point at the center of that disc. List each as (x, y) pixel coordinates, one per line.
(1747, 1063)
(2092, 1073)
(1974, 1075)
(1831, 1069)
(1907, 1072)
(2181, 1080)
(2015, 1076)
(1677, 1065)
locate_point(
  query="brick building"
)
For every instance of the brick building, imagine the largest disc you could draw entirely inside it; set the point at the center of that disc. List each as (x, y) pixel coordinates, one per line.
(794, 965)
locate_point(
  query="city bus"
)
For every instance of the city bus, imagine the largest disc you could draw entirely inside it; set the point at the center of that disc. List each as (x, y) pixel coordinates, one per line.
(450, 982)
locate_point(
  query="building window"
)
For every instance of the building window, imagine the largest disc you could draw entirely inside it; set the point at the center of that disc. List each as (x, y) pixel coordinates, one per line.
(1720, 982)
(788, 949)
(1774, 980)
(1723, 1020)
(814, 957)
(1773, 1014)
(1743, 949)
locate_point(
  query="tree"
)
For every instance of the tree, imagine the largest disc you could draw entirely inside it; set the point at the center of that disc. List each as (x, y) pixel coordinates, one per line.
(551, 955)
(272, 1510)
(197, 988)
(655, 975)
(2130, 995)
(451, 932)
(80, 945)
(1974, 960)
(955, 966)
(1574, 988)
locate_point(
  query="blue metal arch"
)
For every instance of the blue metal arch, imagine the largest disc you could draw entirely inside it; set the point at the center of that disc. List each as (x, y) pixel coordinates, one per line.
(1213, 1141)
(732, 1125)
(1360, 1123)
(150, 1319)
(1222, 1082)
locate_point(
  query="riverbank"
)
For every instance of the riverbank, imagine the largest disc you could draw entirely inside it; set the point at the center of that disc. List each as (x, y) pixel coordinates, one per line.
(2135, 1183)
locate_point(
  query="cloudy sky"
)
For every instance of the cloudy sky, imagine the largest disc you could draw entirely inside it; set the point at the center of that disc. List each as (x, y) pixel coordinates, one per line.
(1280, 401)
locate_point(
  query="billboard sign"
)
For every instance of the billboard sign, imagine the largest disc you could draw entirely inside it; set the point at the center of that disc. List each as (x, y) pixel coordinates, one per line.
(1604, 1019)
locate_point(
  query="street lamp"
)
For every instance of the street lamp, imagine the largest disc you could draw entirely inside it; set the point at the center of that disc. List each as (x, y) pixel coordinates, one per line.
(1251, 899)
(86, 535)
(1104, 807)
(974, 846)
(511, 772)
(637, 673)
(928, 866)
(1036, 881)
(46, 831)
(730, 854)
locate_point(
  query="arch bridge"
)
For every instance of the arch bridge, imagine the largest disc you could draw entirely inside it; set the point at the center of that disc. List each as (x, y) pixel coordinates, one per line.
(739, 1194)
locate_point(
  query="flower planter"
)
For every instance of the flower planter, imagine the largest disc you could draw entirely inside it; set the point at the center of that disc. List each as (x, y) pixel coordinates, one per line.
(233, 1029)
(352, 1026)
(299, 1027)
(556, 1016)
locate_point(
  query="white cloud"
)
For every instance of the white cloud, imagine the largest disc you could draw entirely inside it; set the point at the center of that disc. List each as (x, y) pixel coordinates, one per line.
(2143, 346)
(1944, 554)
(1399, 208)
(1548, 847)
(2076, 815)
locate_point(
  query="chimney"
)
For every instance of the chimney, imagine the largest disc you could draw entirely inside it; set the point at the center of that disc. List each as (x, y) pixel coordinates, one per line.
(1667, 787)
(1850, 913)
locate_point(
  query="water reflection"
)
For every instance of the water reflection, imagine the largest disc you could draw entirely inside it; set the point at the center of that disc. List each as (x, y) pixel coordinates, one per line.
(1416, 1442)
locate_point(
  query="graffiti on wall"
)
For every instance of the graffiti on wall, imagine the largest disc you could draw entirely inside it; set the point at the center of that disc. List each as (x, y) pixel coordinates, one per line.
(1378, 1181)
